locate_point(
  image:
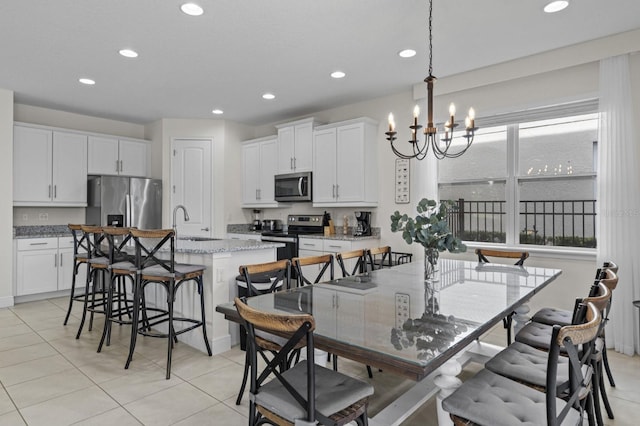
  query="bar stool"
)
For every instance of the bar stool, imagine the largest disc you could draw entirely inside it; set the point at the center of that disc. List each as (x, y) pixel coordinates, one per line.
(80, 257)
(121, 268)
(95, 296)
(152, 248)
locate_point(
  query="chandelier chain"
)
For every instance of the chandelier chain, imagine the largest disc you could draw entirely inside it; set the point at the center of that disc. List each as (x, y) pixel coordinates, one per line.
(430, 39)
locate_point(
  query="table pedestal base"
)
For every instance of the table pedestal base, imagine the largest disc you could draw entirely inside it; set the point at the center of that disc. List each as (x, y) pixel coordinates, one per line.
(441, 382)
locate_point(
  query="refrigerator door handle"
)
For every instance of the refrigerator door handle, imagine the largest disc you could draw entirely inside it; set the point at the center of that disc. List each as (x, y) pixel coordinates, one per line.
(127, 215)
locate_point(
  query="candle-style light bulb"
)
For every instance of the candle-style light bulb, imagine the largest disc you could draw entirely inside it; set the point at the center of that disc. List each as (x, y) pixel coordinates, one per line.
(452, 109)
(392, 124)
(467, 123)
(416, 111)
(472, 117)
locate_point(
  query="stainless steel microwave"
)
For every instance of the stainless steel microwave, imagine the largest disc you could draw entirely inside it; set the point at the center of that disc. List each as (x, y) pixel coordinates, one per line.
(293, 187)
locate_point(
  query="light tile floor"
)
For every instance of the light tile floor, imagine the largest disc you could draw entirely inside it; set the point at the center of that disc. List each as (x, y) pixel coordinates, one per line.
(49, 378)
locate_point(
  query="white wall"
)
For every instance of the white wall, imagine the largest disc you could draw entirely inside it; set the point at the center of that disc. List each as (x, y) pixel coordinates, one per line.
(6, 202)
(226, 138)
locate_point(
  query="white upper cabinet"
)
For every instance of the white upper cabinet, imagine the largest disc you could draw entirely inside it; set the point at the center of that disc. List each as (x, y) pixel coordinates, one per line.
(259, 159)
(345, 169)
(49, 167)
(295, 141)
(114, 156)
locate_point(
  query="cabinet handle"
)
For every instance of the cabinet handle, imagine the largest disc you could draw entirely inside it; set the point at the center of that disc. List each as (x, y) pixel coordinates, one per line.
(55, 260)
(332, 246)
(333, 191)
(49, 191)
(121, 166)
(37, 244)
(291, 163)
(308, 244)
(55, 191)
(337, 191)
(204, 229)
(61, 260)
(295, 163)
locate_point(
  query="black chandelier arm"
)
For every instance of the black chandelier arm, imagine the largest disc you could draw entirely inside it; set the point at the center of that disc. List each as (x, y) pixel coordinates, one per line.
(418, 151)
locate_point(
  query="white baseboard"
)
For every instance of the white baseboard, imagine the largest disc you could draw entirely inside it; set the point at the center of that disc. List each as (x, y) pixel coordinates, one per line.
(6, 302)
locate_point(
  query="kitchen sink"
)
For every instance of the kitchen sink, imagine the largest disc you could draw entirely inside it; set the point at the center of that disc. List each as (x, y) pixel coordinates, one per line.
(199, 239)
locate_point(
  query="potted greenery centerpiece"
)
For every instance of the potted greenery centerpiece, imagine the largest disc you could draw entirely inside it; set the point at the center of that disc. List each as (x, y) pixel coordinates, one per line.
(431, 230)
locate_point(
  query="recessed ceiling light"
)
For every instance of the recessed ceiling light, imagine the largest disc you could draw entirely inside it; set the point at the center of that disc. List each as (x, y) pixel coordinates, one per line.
(128, 53)
(338, 74)
(407, 53)
(556, 6)
(217, 111)
(87, 81)
(192, 9)
(268, 96)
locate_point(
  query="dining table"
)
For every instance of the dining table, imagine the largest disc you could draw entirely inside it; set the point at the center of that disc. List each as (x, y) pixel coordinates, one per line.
(425, 330)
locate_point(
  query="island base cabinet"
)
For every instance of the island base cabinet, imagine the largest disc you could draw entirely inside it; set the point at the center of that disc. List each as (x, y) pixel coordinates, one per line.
(219, 281)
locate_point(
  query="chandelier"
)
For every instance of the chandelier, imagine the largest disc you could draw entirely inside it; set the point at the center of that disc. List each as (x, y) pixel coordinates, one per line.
(439, 147)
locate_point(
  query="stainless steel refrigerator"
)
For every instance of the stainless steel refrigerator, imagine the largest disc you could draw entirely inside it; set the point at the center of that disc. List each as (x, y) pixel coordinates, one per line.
(124, 201)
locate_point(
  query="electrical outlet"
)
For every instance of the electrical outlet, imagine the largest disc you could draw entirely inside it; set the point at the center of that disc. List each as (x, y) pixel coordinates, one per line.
(43, 216)
(25, 217)
(402, 309)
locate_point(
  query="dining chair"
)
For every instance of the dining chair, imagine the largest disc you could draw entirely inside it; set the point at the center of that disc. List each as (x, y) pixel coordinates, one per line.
(358, 267)
(378, 258)
(80, 258)
(491, 399)
(305, 393)
(527, 364)
(155, 265)
(280, 276)
(95, 296)
(550, 316)
(323, 263)
(507, 254)
(120, 271)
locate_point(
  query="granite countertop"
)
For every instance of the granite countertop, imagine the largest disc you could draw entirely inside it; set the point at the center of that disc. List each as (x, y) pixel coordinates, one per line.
(182, 245)
(41, 231)
(222, 246)
(336, 236)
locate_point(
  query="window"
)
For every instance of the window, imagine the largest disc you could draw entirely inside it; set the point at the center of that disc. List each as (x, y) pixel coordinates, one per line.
(529, 178)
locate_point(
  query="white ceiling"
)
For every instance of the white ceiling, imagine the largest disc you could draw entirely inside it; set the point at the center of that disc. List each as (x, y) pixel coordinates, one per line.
(239, 49)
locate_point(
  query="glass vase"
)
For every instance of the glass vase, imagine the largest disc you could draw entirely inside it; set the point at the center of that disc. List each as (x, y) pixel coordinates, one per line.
(431, 264)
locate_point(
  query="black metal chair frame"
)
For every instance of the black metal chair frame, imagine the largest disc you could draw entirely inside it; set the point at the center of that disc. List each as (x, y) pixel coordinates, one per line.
(281, 274)
(147, 256)
(80, 256)
(96, 263)
(121, 268)
(303, 336)
(360, 265)
(508, 320)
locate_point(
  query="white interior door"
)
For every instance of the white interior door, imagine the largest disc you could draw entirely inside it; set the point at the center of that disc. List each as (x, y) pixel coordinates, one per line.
(191, 185)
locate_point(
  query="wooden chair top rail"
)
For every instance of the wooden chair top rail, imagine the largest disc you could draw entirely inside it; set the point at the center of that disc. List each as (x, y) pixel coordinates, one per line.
(582, 333)
(380, 250)
(610, 279)
(265, 267)
(312, 260)
(284, 323)
(151, 233)
(351, 254)
(116, 231)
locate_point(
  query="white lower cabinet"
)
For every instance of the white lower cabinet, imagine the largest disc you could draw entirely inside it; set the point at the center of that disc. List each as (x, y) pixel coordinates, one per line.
(45, 265)
(235, 236)
(317, 247)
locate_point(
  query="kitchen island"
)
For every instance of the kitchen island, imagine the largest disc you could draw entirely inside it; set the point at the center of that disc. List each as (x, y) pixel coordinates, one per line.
(222, 257)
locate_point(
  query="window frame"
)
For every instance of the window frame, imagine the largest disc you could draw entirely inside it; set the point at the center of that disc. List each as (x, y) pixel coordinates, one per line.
(512, 179)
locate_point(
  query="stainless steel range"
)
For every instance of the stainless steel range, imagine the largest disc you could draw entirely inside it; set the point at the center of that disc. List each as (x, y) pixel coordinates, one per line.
(296, 225)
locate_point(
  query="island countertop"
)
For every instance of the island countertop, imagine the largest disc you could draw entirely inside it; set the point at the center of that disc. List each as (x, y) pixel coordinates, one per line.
(213, 246)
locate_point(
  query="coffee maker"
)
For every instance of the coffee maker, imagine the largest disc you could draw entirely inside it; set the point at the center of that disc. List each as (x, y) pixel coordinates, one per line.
(257, 223)
(363, 224)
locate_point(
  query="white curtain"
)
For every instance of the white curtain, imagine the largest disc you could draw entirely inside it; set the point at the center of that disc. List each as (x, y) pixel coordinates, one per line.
(619, 200)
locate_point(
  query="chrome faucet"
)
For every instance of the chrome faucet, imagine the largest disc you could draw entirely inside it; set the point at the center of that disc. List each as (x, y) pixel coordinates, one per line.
(186, 217)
